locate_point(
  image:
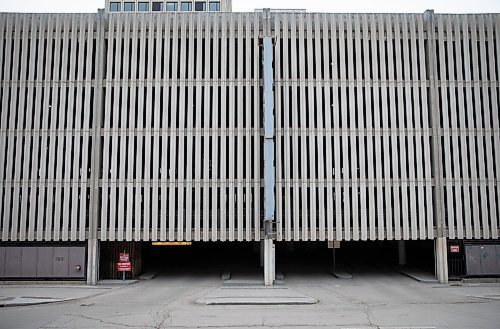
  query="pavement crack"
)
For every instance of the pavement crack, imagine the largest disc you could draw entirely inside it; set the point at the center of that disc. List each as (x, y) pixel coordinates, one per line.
(369, 315)
(365, 306)
(108, 322)
(162, 324)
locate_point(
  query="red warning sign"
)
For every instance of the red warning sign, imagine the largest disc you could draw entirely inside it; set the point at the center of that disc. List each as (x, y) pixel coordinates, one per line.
(455, 249)
(124, 267)
(124, 257)
(124, 264)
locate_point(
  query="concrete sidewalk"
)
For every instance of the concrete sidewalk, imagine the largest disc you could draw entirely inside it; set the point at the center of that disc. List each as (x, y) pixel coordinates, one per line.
(36, 293)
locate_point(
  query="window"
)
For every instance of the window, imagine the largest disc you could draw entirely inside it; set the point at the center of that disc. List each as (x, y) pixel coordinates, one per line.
(143, 6)
(186, 6)
(200, 6)
(214, 6)
(129, 6)
(114, 6)
(171, 6)
(157, 6)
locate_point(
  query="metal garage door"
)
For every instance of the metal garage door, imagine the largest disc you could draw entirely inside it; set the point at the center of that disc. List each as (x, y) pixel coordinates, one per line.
(42, 262)
(483, 260)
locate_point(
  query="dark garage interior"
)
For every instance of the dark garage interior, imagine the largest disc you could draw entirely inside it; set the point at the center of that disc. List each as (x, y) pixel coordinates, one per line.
(213, 258)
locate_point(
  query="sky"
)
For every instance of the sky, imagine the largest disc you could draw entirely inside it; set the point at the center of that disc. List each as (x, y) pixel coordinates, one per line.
(333, 6)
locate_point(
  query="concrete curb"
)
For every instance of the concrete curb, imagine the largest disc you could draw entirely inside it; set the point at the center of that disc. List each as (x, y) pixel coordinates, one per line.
(417, 275)
(258, 301)
(342, 275)
(256, 296)
(149, 275)
(26, 296)
(481, 280)
(18, 301)
(116, 282)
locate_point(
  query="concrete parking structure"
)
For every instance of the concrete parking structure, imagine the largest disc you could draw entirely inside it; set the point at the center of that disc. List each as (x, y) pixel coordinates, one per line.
(122, 129)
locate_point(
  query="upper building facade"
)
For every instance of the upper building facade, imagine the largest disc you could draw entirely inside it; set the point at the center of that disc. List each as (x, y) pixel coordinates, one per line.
(154, 6)
(150, 127)
(387, 126)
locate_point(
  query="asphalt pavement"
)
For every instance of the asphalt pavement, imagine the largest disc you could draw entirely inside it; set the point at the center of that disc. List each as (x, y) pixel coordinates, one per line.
(371, 298)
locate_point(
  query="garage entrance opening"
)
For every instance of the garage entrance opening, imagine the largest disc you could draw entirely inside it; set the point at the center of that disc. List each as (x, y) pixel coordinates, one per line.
(353, 257)
(202, 258)
(243, 259)
(303, 257)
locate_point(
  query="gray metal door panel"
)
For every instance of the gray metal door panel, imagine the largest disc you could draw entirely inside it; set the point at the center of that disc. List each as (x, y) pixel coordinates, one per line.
(60, 262)
(473, 260)
(44, 266)
(488, 259)
(77, 259)
(13, 262)
(28, 263)
(2, 262)
(498, 257)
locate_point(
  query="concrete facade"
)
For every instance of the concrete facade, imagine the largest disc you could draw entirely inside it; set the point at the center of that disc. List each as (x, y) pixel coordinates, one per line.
(149, 127)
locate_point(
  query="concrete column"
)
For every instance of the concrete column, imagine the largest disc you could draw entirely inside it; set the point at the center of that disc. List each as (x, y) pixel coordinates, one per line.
(441, 260)
(93, 242)
(334, 245)
(402, 252)
(93, 262)
(269, 262)
(334, 259)
(434, 112)
(262, 253)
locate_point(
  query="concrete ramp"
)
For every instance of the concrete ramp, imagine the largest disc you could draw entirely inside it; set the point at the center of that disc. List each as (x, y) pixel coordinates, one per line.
(254, 295)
